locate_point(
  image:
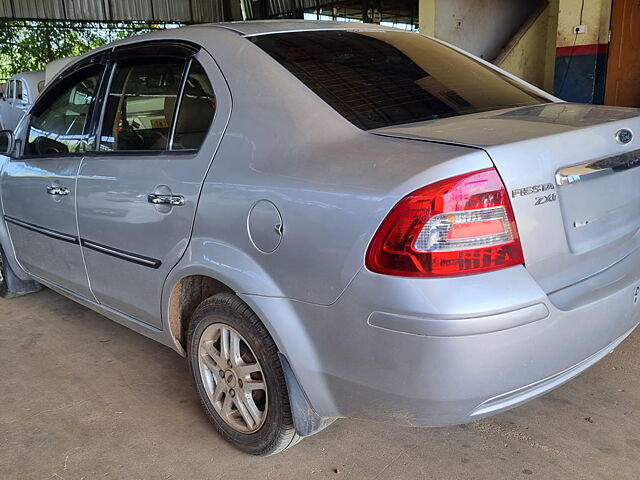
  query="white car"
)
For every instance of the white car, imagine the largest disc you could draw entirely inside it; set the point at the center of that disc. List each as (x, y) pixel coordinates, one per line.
(20, 92)
(54, 67)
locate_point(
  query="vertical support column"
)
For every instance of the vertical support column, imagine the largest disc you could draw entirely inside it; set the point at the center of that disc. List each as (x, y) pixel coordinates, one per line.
(427, 17)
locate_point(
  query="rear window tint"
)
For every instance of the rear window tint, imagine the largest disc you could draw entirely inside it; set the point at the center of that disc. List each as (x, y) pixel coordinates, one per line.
(378, 79)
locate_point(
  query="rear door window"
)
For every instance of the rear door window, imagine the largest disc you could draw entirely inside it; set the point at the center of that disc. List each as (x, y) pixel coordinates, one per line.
(196, 111)
(382, 78)
(141, 104)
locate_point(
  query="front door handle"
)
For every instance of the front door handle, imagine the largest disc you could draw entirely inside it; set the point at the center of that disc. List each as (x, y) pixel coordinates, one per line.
(160, 199)
(57, 190)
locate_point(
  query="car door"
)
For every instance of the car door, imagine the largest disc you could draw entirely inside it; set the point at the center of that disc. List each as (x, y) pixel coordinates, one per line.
(4, 104)
(8, 113)
(20, 104)
(15, 107)
(39, 186)
(163, 118)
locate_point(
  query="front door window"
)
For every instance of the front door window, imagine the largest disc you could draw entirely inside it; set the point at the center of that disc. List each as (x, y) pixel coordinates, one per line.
(60, 127)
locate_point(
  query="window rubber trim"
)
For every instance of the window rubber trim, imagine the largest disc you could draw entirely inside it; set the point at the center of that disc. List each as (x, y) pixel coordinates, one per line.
(112, 65)
(176, 110)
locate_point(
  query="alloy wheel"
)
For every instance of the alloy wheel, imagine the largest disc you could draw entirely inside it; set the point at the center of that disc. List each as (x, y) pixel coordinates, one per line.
(232, 377)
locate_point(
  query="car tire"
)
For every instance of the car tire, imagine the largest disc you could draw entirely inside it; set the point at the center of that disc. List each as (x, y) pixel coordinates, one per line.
(232, 357)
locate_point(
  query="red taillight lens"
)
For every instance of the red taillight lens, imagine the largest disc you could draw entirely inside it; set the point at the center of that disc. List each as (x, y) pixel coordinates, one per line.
(458, 226)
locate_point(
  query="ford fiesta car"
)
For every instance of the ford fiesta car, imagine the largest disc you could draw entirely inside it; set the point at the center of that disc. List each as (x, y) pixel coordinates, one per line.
(329, 220)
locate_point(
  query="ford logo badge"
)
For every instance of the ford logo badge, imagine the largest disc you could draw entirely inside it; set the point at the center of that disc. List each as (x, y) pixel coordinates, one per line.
(624, 136)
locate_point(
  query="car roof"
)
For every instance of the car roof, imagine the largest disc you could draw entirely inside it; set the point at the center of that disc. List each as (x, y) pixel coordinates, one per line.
(264, 27)
(242, 29)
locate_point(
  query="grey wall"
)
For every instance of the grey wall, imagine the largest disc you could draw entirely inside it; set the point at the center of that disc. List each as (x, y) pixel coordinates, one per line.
(487, 25)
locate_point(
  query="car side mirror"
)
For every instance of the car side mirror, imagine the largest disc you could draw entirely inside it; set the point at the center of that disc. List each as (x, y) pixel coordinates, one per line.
(7, 142)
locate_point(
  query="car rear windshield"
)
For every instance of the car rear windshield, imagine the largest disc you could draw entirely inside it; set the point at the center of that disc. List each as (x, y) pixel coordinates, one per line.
(381, 78)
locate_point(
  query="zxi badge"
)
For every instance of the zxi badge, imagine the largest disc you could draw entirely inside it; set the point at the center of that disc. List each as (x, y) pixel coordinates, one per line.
(624, 136)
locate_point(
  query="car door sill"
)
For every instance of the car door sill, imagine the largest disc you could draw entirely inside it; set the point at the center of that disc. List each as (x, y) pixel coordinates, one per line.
(112, 314)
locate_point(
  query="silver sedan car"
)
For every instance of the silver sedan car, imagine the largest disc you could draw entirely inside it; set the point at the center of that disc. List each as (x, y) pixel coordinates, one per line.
(329, 220)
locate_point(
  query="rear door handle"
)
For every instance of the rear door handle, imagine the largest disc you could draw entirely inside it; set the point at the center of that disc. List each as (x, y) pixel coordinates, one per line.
(57, 190)
(159, 199)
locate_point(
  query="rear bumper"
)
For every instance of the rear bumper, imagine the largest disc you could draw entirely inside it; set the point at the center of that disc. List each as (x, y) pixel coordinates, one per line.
(521, 395)
(435, 352)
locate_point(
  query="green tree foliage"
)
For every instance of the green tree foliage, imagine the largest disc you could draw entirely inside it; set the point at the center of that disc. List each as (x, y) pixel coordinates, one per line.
(30, 45)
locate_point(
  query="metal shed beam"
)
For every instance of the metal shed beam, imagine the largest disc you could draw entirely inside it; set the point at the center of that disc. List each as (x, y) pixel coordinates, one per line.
(165, 11)
(186, 11)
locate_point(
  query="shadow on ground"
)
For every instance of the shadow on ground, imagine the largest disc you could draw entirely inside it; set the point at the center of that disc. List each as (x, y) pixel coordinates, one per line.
(82, 397)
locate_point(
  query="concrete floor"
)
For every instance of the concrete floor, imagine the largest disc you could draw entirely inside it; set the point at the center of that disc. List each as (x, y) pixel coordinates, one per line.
(82, 397)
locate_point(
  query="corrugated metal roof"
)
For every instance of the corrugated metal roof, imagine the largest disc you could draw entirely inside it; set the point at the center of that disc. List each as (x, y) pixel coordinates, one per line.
(204, 11)
(40, 9)
(81, 9)
(5, 9)
(171, 11)
(131, 9)
(175, 11)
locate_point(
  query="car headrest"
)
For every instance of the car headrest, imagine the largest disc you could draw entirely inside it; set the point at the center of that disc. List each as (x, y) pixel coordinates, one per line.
(195, 113)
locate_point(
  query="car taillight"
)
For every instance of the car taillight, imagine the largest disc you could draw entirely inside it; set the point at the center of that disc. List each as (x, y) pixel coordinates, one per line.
(458, 226)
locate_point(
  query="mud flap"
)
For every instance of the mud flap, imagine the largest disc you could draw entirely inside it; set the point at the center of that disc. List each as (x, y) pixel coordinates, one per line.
(13, 286)
(305, 419)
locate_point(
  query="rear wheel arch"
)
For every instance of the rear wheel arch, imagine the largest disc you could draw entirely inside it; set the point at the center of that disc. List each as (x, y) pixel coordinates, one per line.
(189, 292)
(186, 294)
(209, 267)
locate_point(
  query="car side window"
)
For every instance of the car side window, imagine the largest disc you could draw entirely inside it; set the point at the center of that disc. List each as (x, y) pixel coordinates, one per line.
(59, 128)
(196, 111)
(10, 89)
(18, 90)
(140, 105)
